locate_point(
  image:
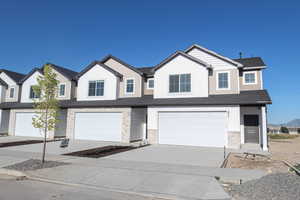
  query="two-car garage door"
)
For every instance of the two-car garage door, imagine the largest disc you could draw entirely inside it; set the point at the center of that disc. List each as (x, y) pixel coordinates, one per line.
(192, 128)
(98, 126)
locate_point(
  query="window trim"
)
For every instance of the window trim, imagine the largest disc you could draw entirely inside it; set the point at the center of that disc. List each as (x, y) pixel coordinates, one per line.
(31, 86)
(148, 84)
(133, 89)
(59, 90)
(179, 92)
(255, 77)
(88, 87)
(10, 92)
(217, 80)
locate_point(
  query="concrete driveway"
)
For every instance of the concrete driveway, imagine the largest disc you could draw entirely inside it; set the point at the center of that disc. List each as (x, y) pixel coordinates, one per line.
(53, 148)
(5, 139)
(174, 154)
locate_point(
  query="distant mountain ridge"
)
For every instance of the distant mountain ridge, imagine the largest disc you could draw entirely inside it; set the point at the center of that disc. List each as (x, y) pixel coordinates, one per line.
(292, 123)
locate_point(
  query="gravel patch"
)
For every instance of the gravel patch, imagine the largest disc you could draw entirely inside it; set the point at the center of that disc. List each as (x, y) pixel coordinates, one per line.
(280, 186)
(34, 164)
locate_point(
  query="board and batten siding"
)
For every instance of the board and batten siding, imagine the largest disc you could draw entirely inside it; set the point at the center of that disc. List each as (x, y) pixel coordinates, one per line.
(97, 73)
(127, 74)
(181, 65)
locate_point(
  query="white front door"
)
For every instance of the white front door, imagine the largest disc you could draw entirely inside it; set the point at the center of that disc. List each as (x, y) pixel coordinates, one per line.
(193, 128)
(24, 127)
(98, 126)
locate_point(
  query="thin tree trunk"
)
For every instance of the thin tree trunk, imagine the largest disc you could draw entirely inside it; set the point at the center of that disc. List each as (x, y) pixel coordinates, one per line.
(45, 137)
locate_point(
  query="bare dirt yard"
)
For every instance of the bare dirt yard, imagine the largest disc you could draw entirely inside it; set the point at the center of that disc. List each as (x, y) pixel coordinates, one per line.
(281, 149)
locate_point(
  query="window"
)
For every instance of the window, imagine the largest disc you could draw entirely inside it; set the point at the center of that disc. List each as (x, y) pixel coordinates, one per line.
(249, 77)
(96, 88)
(129, 86)
(150, 83)
(62, 90)
(180, 83)
(11, 92)
(33, 95)
(223, 80)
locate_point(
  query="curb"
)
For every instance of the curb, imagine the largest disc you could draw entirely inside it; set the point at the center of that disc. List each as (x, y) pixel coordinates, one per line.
(10, 172)
(149, 195)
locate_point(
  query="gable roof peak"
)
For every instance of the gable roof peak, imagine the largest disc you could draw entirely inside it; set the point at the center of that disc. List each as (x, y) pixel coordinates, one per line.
(109, 56)
(210, 52)
(36, 69)
(97, 62)
(172, 56)
(15, 76)
(69, 74)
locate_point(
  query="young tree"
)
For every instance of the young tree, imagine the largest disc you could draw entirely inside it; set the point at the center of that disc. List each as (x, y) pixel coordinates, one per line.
(46, 105)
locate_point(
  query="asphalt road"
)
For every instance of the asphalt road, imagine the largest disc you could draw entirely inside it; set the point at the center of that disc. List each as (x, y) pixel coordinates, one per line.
(35, 190)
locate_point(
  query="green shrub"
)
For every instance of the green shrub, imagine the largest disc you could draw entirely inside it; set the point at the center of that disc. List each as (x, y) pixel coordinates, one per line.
(282, 136)
(284, 129)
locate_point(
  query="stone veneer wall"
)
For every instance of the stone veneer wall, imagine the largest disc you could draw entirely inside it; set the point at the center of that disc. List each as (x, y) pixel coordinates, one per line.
(126, 121)
(234, 140)
(153, 136)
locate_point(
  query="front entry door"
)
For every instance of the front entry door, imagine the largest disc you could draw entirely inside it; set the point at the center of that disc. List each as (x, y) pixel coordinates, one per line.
(251, 124)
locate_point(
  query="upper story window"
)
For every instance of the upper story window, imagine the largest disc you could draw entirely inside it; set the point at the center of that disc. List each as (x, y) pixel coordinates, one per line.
(249, 78)
(62, 90)
(180, 83)
(11, 92)
(33, 94)
(96, 88)
(129, 86)
(223, 80)
(150, 83)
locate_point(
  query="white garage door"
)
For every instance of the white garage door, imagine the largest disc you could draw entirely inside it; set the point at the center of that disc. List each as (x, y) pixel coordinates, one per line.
(192, 128)
(98, 126)
(24, 126)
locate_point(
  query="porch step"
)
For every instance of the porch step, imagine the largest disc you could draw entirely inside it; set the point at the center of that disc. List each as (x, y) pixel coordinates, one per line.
(253, 149)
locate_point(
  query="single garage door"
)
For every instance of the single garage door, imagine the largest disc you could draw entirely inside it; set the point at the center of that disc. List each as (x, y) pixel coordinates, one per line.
(192, 128)
(98, 126)
(23, 126)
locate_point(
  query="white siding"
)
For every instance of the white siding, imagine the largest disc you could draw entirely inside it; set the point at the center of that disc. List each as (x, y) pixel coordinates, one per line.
(216, 63)
(138, 122)
(11, 83)
(97, 73)
(32, 80)
(181, 65)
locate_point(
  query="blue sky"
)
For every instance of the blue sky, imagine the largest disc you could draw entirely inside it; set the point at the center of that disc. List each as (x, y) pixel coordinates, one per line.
(142, 33)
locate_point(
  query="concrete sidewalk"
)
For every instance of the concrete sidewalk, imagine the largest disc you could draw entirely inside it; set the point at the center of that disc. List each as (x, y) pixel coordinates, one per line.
(162, 185)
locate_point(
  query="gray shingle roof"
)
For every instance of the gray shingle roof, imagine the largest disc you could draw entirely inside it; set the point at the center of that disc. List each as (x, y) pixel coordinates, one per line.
(251, 62)
(70, 74)
(255, 97)
(13, 75)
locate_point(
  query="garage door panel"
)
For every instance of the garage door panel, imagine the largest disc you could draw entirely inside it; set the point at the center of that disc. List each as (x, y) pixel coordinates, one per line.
(192, 128)
(24, 127)
(98, 126)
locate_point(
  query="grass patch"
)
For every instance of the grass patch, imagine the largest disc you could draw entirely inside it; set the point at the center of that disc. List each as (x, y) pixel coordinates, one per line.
(283, 136)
